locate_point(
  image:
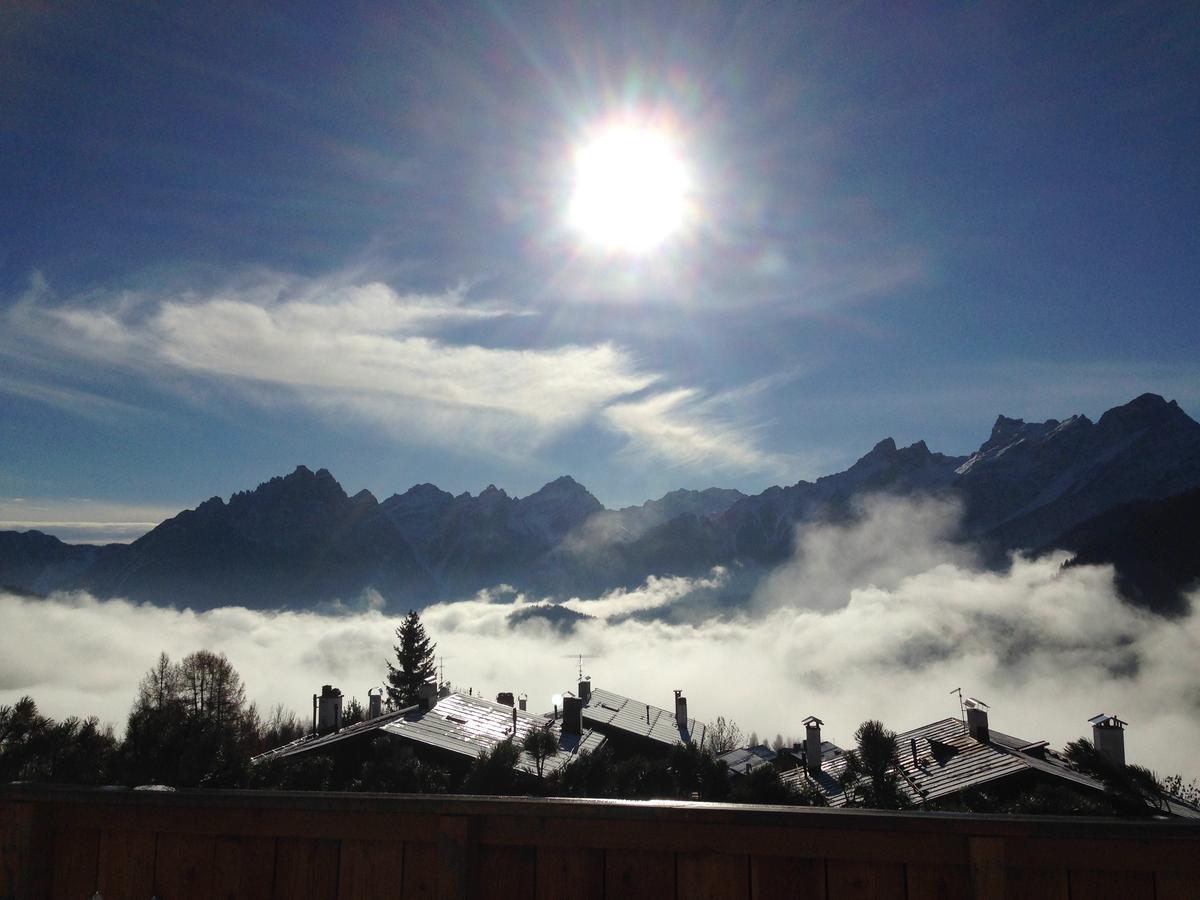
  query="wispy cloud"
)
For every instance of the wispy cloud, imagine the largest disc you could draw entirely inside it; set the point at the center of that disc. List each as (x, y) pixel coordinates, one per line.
(365, 352)
(685, 427)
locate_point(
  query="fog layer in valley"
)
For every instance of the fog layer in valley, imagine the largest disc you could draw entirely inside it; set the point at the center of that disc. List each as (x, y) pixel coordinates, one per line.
(881, 618)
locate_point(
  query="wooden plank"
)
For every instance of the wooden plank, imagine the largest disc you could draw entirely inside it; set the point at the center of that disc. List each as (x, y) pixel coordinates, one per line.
(183, 866)
(420, 871)
(709, 876)
(126, 864)
(16, 849)
(1176, 886)
(1151, 854)
(76, 862)
(371, 869)
(1023, 883)
(305, 869)
(458, 857)
(986, 859)
(243, 867)
(251, 820)
(1109, 885)
(929, 882)
(577, 873)
(639, 874)
(688, 836)
(853, 880)
(507, 872)
(787, 877)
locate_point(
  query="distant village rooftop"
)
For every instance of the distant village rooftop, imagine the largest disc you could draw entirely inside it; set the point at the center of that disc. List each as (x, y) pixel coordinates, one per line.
(454, 725)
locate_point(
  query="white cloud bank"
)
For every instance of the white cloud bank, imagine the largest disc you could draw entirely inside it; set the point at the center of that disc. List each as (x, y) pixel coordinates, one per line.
(367, 353)
(1046, 647)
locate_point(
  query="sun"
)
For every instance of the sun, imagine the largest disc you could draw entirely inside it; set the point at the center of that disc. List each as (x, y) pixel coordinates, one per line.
(631, 191)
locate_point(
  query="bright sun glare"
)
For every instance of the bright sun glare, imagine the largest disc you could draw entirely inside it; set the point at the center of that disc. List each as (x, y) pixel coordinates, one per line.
(631, 190)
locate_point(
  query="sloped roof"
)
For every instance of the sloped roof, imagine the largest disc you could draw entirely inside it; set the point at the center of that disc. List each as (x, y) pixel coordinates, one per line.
(746, 759)
(609, 710)
(459, 723)
(468, 724)
(949, 760)
(311, 742)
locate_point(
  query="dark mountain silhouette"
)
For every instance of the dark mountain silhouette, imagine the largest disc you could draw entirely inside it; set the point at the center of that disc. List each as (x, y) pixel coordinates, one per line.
(299, 541)
(1153, 544)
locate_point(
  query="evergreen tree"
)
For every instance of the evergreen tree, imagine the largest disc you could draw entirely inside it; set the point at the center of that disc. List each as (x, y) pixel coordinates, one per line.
(871, 775)
(540, 744)
(415, 655)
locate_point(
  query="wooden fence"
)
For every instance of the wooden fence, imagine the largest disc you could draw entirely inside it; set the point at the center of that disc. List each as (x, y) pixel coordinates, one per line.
(73, 843)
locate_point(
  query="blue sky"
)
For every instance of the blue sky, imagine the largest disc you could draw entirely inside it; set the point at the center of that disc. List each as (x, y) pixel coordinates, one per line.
(237, 240)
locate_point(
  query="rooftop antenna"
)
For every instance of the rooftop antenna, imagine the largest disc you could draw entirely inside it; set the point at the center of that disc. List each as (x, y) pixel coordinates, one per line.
(579, 658)
(962, 713)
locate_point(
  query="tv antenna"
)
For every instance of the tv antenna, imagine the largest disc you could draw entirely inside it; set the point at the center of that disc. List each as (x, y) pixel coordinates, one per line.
(579, 658)
(962, 713)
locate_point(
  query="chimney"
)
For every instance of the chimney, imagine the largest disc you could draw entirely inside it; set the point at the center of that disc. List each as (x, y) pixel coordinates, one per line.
(977, 719)
(522, 701)
(374, 703)
(812, 745)
(514, 712)
(681, 716)
(912, 743)
(572, 715)
(505, 697)
(1108, 734)
(427, 695)
(585, 690)
(329, 709)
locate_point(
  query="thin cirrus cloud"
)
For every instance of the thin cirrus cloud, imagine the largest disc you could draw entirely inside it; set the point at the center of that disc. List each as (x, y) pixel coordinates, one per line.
(390, 361)
(688, 428)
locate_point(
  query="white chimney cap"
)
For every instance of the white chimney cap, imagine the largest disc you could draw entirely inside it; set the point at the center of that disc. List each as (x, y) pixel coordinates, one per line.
(973, 702)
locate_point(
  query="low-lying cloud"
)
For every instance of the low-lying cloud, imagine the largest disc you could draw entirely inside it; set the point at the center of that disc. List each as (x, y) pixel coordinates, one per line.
(881, 618)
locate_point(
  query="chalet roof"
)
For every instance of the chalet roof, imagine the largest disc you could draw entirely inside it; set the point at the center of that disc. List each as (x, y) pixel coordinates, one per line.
(461, 724)
(747, 759)
(467, 724)
(949, 760)
(609, 711)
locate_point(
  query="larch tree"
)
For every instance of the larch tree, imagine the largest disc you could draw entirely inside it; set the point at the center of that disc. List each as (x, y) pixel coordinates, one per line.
(414, 654)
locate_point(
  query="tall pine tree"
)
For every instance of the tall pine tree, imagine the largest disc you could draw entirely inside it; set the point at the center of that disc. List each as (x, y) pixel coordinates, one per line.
(415, 655)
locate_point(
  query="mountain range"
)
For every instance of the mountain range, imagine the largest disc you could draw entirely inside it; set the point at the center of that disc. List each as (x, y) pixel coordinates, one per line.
(299, 541)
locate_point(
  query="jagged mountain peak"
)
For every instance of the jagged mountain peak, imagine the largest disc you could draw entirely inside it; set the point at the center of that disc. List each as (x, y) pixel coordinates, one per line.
(1142, 412)
(883, 449)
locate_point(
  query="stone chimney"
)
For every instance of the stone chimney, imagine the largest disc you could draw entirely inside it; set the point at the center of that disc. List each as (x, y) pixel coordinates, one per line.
(374, 703)
(977, 719)
(572, 722)
(681, 716)
(585, 690)
(427, 695)
(505, 697)
(329, 717)
(812, 745)
(1108, 734)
